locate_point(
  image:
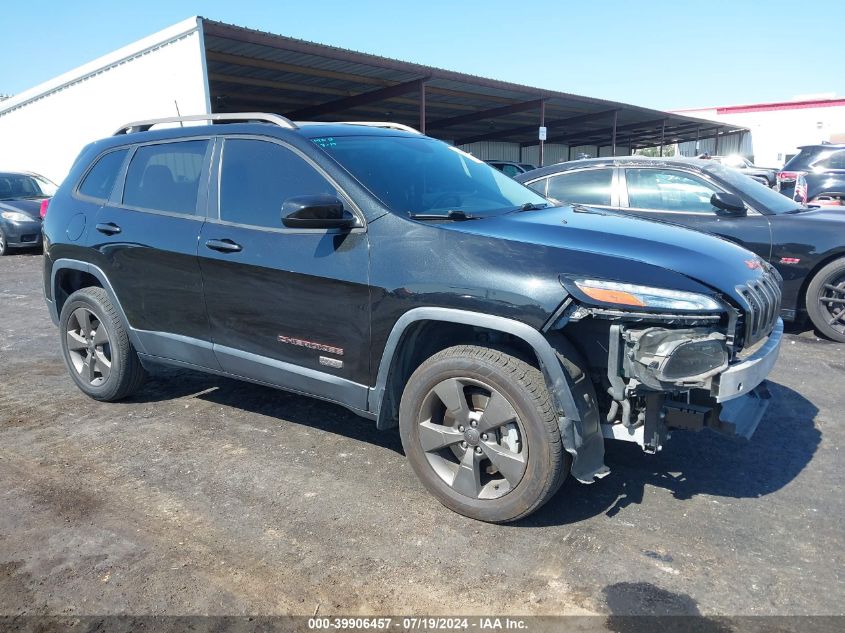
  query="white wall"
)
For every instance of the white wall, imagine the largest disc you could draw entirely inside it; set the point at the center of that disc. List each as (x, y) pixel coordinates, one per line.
(43, 129)
(780, 130)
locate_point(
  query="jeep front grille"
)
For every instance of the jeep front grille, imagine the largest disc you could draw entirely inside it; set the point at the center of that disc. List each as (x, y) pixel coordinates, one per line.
(762, 297)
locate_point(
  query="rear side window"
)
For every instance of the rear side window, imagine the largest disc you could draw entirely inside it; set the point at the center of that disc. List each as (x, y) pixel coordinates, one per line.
(590, 186)
(165, 177)
(833, 160)
(99, 181)
(257, 178)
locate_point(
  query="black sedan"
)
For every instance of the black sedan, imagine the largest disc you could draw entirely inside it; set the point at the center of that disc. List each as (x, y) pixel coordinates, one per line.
(806, 245)
(22, 195)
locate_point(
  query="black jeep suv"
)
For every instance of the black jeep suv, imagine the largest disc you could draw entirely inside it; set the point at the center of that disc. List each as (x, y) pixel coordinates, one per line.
(394, 274)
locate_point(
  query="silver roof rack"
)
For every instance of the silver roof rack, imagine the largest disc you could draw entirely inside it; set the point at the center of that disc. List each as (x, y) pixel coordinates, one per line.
(385, 124)
(244, 117)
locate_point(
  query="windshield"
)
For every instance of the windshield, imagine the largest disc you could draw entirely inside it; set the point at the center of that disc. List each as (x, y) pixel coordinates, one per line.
(767, 199)
(420, 175)
(17, 186)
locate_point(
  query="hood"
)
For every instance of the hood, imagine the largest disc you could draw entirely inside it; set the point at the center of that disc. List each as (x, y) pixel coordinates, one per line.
(622, 241)
(30, 207)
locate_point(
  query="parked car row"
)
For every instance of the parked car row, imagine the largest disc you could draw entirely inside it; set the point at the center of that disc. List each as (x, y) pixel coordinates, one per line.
(805, 245)
(508, 336)
(23, 197)
(816, 175)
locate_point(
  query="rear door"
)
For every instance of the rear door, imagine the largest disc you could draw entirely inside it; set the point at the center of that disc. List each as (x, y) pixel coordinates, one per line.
(288, 307)
(682, 197)
(146, 235)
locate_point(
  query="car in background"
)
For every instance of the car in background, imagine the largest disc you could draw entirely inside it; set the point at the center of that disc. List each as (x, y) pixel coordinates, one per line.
(806, 245)
(23, 198)
(815, 176)
(510, 168)
(765, 175)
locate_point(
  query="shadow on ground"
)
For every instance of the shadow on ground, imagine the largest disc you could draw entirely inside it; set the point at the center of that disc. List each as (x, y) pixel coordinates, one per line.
(690, 464)
(698, 463)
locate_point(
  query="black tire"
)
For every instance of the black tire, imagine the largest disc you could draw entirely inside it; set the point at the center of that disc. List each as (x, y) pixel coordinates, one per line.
(125, 374)
(4, 244)
(545, 462)
(828, 316)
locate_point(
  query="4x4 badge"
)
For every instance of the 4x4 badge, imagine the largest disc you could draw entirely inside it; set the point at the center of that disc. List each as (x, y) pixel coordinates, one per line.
(299, 342)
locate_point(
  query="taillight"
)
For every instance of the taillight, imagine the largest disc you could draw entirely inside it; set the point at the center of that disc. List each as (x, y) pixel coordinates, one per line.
(43, 210)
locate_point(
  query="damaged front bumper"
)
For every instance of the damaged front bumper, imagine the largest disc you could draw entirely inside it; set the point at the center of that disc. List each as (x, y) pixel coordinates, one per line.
(741, 378)
(734, 405)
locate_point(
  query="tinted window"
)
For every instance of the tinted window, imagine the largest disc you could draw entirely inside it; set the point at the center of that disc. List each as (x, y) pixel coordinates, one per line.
(100, 180)
(832, 160)
(510, 170)
(668, 191)
(17, 186)
(422, 175)
(590, 186)
(165, 177)
(259, 176)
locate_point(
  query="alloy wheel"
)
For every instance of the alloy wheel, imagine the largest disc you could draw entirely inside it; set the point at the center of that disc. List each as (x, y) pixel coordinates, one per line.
(473, 438)
(89, 347)
(832, 301)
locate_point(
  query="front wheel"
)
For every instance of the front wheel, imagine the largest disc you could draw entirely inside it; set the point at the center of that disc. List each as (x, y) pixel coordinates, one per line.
(826, 300)
(4, 245)
(480, 431)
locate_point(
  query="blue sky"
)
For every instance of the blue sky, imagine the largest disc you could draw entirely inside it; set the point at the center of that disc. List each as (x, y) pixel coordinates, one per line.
(655, 53)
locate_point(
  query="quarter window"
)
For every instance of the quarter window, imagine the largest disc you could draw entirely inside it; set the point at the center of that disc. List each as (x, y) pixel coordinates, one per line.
(99, 181)
(257, 178)
(165, 177)
(835, 160)
(668, 191)
(589, 186)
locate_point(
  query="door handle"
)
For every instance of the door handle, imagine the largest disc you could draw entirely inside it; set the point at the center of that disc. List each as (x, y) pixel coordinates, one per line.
(108, 228)
(224, 246)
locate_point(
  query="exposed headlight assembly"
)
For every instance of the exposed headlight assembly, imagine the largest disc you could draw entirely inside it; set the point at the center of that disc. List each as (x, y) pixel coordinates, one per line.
(633, 295)
(14, 216)
(660, 355)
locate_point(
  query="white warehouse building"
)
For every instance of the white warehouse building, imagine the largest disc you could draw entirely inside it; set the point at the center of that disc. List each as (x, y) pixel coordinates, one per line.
(200, 66)
(777, 130)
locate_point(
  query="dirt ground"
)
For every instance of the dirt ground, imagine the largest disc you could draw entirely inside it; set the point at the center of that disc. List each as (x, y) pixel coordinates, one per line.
(202, 495)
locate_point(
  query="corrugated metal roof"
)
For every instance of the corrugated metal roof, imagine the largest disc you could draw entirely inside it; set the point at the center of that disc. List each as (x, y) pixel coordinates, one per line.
(251, 69)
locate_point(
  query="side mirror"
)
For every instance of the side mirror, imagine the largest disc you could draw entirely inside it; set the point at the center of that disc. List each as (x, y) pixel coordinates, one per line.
(729, 202)
(321, 211)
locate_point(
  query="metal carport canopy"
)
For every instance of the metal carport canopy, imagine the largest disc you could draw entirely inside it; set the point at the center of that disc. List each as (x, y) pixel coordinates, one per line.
(253, 70)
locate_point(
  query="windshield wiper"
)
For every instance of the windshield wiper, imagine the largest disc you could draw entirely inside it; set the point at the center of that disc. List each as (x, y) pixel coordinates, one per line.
(454, 214)
(530, 206)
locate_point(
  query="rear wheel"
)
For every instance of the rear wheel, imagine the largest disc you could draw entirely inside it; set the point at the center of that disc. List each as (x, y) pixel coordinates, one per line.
(826, 300)
(480, 431)
(96, 348)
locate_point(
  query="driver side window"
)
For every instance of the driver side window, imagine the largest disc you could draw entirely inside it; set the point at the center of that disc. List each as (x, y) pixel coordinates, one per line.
(668, 190)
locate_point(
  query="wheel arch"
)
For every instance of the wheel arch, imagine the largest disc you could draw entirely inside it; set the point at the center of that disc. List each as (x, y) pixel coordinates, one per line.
(828, 258)
(69, 275)
(394, 370)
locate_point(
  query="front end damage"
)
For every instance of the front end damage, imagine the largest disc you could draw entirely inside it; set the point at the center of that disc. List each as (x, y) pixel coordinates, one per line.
(666, 372)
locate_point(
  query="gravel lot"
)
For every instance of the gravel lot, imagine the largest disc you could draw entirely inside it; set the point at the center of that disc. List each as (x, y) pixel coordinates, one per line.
(207, 496)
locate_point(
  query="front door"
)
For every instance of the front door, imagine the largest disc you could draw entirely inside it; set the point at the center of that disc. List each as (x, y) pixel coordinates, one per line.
(287, 307)
(673, 195)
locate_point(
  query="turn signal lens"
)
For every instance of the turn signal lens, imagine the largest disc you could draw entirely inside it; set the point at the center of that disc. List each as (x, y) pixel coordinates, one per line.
(612, 296)
(622, 294)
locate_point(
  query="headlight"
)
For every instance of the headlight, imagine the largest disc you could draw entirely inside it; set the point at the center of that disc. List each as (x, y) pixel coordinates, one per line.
(676, 356)
(14, 216)
(624, 294)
